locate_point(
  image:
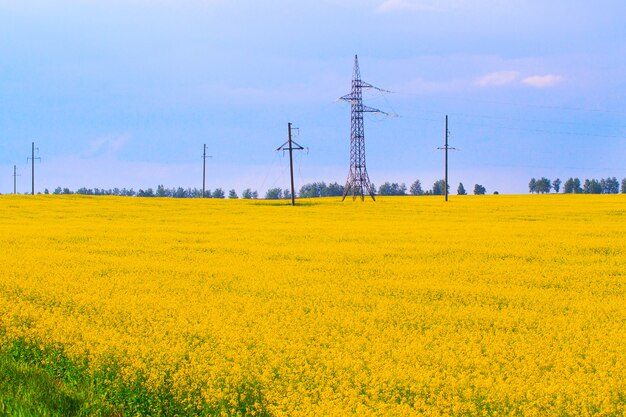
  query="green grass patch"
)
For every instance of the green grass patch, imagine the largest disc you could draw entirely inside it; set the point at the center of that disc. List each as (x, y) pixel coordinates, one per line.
(27, 390)
(42, 381)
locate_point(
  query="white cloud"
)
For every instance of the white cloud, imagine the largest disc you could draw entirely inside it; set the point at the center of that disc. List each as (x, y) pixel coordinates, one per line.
(498, 78)
(395, 5)
(542, 81)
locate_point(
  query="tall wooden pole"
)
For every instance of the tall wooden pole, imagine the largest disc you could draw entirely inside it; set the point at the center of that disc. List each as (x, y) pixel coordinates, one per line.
(33, 168)
(289, 146)
(203, 170)
(446, 161)
(293, 197)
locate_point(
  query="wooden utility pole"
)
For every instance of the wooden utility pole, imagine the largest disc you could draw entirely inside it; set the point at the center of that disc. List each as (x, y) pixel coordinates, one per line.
(445, 162)
(291, 148)
(204, 157)
(15, 179)
(32, 158)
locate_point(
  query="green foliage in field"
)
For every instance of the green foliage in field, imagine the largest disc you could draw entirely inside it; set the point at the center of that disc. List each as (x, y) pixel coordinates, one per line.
(26, 390)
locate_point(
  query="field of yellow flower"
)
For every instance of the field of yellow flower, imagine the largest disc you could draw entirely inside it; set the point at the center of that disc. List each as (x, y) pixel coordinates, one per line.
(486, 305)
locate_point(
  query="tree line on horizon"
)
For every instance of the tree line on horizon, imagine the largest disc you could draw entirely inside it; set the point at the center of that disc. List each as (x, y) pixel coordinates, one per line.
(309, 190)
(542, 185)
(609, 185)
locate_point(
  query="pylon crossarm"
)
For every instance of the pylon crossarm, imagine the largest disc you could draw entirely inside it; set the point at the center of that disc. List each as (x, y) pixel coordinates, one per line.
(367, 109)
(363, 84)
(349, 98)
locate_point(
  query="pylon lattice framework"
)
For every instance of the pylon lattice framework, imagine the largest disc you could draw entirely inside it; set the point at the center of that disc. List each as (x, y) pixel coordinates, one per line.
(358, 182)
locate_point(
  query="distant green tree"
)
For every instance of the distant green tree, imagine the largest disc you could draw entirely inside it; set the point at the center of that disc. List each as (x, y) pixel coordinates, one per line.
(479, 189)
(161, 191)
(577, 188)
(532, 186)
(461, 190)
(556, 185)
(218, 193)
(609, 185)
(311, 190)
(274, 194)
(623, 185)
(255, 195)
(592, 186)
(392, 189)
(286, 194)
(145, 193)
(568, 186)
(333, 190)
(232, 194)
(543, 185)
(439, 187)
(320, 189)
(416, 188)
(247, 194)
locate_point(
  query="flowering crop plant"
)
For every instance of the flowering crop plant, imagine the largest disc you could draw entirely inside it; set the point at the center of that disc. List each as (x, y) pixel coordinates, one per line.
(407, 306)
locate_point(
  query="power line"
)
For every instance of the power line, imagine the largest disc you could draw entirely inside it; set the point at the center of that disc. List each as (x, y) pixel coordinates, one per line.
(519, 129)
(532, 105)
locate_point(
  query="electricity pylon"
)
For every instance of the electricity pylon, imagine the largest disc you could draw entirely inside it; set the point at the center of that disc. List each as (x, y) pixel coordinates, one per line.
(358, 181)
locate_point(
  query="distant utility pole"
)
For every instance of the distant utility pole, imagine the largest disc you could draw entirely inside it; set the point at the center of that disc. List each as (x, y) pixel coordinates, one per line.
(289, 145)
(445, 148)
(32, 158)
(15, 175)
(204, 157)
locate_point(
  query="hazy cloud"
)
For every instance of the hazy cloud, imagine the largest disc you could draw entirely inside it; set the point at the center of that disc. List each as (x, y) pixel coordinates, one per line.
(440, 5)
(542, 81)
(498, 78)
(108, 145)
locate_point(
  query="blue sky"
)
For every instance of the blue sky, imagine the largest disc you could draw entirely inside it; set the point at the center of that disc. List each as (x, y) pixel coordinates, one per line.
(125, 93)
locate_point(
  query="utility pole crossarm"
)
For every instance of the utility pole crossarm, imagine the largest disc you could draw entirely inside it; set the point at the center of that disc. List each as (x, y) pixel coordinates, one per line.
(283, 147)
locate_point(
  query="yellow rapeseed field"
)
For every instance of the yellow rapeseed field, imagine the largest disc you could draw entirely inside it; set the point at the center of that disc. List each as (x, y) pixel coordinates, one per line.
(486, 305)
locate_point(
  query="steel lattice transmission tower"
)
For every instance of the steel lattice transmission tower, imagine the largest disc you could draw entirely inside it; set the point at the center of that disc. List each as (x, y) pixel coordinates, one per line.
(358, 182)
